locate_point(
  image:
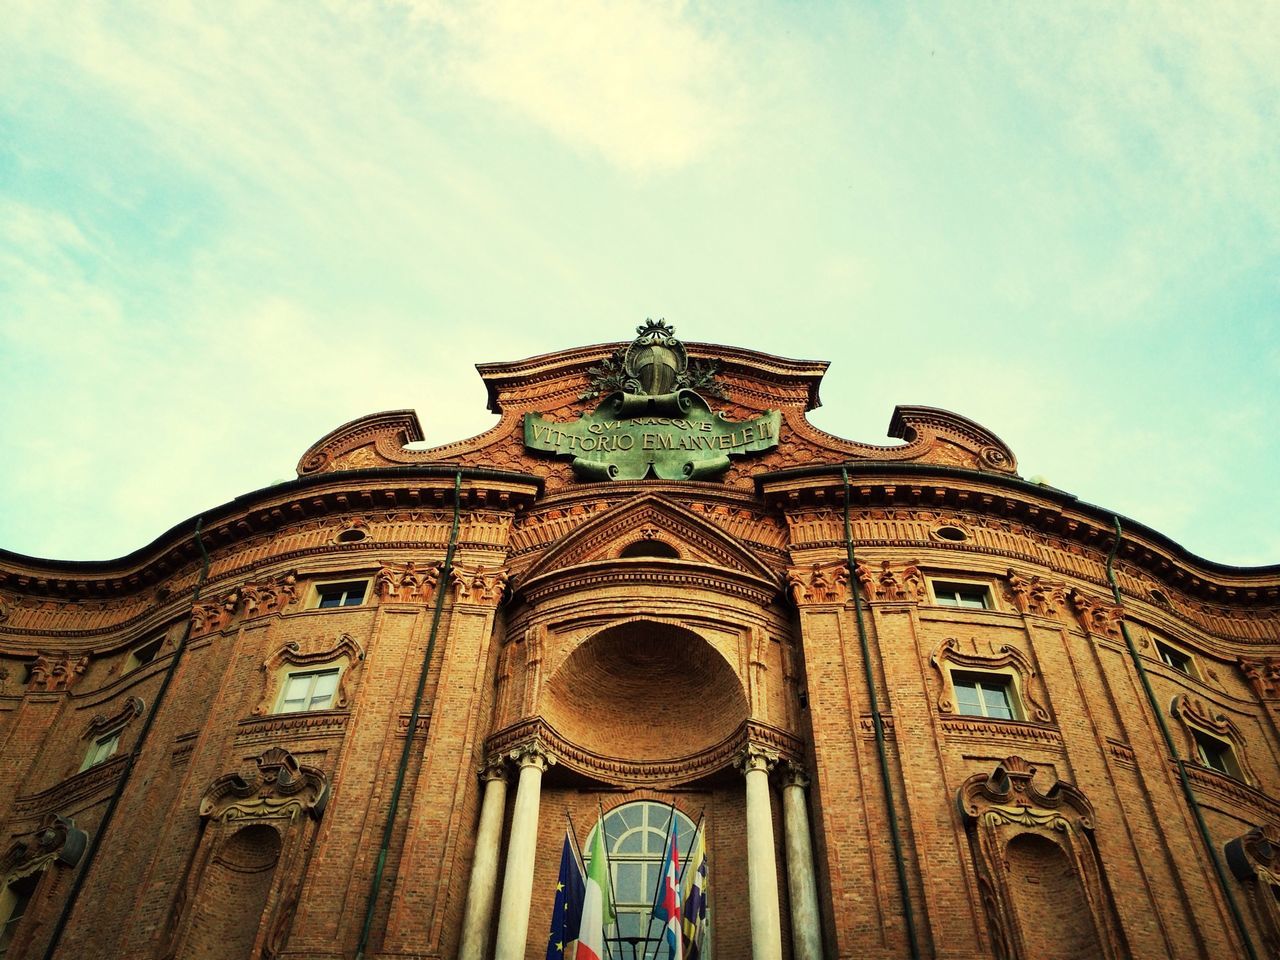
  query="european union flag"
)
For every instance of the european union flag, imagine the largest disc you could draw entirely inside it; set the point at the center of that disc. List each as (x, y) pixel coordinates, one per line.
(566, 915)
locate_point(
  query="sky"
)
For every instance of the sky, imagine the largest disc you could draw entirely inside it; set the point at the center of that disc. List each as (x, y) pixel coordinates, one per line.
(225, 229)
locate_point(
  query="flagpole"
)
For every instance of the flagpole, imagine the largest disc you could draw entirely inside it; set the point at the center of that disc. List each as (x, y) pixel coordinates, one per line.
(684, 866)
(653, 907)
(608, 869)
(573, 833)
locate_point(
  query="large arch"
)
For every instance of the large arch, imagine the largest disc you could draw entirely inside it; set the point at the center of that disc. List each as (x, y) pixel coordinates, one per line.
(664, 686)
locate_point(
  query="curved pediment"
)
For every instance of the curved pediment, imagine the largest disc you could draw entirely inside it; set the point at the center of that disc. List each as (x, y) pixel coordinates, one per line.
(650, 528)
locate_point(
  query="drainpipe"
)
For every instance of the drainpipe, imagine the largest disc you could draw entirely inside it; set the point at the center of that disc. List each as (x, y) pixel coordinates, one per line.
(877, 721)
(95, 840)
(1181, 764)
(442, 586)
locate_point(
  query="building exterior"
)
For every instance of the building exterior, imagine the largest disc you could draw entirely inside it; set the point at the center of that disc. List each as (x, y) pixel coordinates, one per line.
(351, 715)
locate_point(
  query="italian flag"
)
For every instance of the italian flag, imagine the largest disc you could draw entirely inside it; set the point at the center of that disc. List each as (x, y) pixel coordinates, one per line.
(597, 905)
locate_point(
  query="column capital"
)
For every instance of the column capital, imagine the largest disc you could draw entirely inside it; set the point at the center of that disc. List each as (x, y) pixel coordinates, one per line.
(494, 768)
(756, 756)
(794, 774)
(531, 753)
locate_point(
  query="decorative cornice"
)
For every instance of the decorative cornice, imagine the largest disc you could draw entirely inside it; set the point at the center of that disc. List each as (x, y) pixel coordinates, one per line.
(312, 724)
(677, 770)
(983, 728)
(74, 790)
(652, 571)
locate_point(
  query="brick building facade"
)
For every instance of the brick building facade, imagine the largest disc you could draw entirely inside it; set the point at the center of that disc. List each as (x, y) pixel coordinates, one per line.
(921, 706)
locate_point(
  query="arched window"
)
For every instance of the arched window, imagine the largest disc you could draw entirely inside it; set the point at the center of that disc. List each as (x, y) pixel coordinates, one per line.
(636, 837)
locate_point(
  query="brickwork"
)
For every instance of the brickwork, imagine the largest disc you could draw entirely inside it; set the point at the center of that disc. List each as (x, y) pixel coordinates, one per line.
(1058, 828)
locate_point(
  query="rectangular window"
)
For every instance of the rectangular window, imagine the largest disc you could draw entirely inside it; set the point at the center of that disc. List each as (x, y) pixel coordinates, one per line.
(1217, 755)
(102, 749)
(14, 901)
(313, 690)
(985, 695)
(350, 593)
(1175, 658)
(973, 596)
(141, 656)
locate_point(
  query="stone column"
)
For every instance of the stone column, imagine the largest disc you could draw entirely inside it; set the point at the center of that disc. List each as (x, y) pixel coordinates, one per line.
(762, 866)
(806, 925)
(517, 884)
(484, 870)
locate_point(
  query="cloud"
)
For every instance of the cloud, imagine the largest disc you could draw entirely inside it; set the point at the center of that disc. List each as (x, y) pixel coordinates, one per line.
(640, 83)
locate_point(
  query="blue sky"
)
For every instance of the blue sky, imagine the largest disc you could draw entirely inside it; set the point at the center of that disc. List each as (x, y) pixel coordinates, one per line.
(226, 229)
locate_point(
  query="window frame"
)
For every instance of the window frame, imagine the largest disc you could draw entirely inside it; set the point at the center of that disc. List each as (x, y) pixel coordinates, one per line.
(318, 593)
(132, 662)
(12, 900)
(957, 587)
(621, 858)
(93, 757)
(1005, 680)
(1226, 751)
(314, 673)
(1166, 651)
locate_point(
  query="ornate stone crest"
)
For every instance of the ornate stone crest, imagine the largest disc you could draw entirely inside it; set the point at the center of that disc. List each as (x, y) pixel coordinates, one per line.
(652, 421)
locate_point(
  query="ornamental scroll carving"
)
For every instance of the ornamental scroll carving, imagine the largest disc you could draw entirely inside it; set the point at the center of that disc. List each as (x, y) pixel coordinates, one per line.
(480, 585)
(1254, 858)
(272, 815)
(322, 652)
(1096, 616)
(280, 789)
(409, 583)
(132, 707)
(255, 598)
(1263, 674)
(1035, 595)
(1002, 658)
(54, 672)
(1005, 806)
(55, 840)
(1194, 714)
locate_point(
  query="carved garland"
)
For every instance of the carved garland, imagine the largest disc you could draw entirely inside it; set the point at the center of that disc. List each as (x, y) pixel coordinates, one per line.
(1263, 674)
(482, 585)
(1096, 616)
(53, 672)
(819, 583)
(1195, 716)
(255, 598)
(998, 806)
(407, 584)
(948, 652)
(1035, 595)
(291, 653)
